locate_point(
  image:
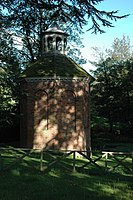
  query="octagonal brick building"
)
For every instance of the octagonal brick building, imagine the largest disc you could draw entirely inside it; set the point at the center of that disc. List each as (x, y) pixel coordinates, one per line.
(55, 99)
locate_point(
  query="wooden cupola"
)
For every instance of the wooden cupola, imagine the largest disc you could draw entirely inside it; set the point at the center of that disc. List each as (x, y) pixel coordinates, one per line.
(54, 40)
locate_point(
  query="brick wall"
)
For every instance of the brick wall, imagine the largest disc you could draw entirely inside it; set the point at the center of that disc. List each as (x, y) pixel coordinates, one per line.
(55, 114)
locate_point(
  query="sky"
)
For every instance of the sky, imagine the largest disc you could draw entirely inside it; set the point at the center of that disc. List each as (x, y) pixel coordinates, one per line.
(105, 40)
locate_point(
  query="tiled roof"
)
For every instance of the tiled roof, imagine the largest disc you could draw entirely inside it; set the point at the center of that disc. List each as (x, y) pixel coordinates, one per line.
(55, 64)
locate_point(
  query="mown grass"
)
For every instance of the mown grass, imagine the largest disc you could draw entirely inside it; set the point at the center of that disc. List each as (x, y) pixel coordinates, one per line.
(24, 181)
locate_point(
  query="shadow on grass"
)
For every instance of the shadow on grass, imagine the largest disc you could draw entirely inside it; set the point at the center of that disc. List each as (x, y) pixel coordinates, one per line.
(23, 182)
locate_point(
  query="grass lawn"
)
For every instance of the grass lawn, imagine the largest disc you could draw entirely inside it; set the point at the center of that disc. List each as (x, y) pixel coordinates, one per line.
(24, 181)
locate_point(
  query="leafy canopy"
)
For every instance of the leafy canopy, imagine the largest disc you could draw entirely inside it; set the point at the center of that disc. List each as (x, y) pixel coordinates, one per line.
(113, 89)
(29, 18)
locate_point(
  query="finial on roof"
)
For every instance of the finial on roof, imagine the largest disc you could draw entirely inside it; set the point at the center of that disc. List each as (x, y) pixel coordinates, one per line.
(54, 24)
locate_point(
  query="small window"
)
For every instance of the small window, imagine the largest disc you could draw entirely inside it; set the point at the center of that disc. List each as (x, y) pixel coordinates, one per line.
(58, 44)
(65, 44)
(44, 44)
(50, 43)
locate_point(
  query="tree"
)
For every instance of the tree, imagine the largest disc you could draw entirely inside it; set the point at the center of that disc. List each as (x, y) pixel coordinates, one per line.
(121, 49)
(28, 19)
(9, 72)
(113, 89)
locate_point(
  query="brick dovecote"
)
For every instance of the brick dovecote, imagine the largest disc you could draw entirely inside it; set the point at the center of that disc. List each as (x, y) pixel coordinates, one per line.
(55, 113)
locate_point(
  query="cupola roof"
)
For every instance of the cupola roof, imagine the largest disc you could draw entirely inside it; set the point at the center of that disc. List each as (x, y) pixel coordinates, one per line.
(55, 29)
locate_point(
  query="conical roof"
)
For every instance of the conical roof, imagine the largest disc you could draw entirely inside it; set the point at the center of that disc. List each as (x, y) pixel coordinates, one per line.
(55, 29)
(55, 64)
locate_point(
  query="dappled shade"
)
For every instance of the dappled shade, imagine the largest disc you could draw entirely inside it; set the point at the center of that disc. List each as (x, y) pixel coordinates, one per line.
(56, 114)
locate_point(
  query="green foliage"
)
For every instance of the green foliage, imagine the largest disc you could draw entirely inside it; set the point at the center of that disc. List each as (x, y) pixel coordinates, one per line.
(9, 72)
(29, 19)
(121, 50)
(113, 89)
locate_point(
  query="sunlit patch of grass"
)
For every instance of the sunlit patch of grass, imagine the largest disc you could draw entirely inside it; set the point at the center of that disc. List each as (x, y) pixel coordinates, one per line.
(25, 181)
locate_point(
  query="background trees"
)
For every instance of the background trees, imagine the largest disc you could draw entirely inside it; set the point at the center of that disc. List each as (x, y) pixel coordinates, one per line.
(9, 72)
(113, 89)
(9, 86)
